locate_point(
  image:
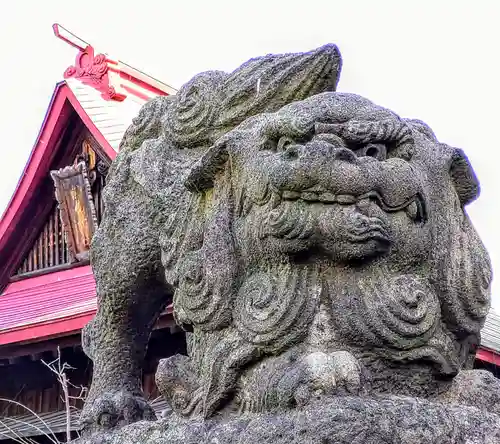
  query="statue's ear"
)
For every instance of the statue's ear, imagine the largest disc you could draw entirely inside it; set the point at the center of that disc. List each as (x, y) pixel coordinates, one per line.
(203, 172)
(463, 177)
(422, 128)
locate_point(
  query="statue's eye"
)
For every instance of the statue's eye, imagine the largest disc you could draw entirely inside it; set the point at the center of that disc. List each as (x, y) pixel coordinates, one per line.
(278, 145)
(289, 147)
(270, 145)
(384, 151)
(284, 143)
(376, 150)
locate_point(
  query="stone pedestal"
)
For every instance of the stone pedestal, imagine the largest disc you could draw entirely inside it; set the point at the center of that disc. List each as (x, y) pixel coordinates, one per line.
(345, 420)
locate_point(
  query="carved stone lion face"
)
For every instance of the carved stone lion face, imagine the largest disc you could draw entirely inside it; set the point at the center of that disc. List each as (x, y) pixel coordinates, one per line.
(338, 181)
(332, 176)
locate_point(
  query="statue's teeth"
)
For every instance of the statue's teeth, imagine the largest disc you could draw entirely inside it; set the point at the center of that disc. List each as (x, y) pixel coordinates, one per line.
(315, 189)
(275, 200)
(412, 210)
(327, 197)
(313, 197)
(291, 195)
(345, 199)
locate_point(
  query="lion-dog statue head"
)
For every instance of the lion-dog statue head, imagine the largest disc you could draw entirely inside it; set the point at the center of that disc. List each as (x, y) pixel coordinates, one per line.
(322, 249)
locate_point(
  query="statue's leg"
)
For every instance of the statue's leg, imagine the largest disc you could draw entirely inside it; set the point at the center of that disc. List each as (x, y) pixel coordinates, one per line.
(131, 295)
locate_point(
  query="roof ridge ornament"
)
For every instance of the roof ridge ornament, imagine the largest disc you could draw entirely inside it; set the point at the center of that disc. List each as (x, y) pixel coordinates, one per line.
(89, 68)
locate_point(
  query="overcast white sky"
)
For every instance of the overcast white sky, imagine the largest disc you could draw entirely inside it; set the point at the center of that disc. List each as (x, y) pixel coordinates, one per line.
(437, 60)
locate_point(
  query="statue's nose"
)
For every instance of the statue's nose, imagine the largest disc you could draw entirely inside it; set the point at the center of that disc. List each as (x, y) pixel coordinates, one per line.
(329, 151)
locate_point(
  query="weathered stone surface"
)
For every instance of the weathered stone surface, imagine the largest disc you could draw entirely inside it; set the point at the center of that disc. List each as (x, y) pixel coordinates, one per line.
(350, 420)
(317, 250)
(478, 388)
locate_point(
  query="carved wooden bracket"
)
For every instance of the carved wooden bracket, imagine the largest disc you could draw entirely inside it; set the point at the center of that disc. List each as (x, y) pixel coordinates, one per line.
(93, 70)
(76, 204)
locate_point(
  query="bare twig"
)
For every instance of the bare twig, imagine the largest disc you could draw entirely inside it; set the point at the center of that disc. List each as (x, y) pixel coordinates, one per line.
(18, 438)
(15, 398)
(59, 368)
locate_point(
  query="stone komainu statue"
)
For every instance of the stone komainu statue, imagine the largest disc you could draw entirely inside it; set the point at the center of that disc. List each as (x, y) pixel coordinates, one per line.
(316, 249)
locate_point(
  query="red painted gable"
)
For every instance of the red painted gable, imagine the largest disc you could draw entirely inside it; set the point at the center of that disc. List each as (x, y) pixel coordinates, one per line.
(62, 302)
(62, 104)
(56, 303)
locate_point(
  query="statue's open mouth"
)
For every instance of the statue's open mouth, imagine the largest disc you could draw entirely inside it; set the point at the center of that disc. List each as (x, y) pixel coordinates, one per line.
(414, 206)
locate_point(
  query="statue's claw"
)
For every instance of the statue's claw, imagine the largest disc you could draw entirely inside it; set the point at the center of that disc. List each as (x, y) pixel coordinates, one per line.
(348, 371)
(333, 373)
(113, 409)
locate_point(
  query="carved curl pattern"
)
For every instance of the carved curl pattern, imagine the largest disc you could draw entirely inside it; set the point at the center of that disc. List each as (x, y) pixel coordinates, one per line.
(190, 120)
(205, 288)
(403, 311)
(274, 307)
(398, 314)
(463, 277)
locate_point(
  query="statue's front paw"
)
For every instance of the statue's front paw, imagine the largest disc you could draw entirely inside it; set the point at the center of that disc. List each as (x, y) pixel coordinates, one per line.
(112, 409)
(330, 374)
(348, 373)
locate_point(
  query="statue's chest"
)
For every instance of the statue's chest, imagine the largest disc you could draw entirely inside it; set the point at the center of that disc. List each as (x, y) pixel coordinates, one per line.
(401, 312)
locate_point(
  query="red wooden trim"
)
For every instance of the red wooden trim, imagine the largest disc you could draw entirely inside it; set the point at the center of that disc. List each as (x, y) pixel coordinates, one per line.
(47, 330)
(37, 160)
(144, 81)
(487, 355)
(48, 270)
(63, 327)
(136, 92)
(166, 321)
(142, 84)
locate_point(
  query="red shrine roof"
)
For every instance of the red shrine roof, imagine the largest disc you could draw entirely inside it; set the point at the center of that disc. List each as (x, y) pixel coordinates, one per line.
(42, 306)
(105, 94)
